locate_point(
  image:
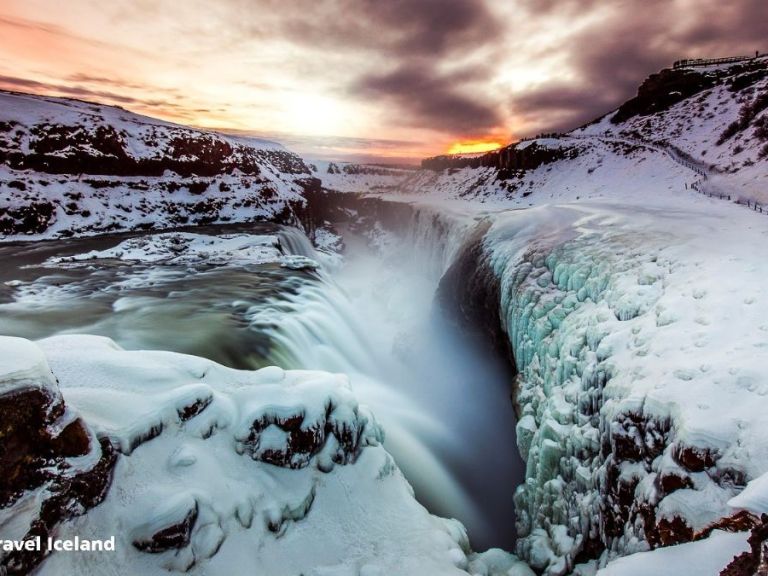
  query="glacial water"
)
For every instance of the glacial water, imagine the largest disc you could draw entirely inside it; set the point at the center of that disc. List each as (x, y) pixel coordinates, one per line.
(442, 396)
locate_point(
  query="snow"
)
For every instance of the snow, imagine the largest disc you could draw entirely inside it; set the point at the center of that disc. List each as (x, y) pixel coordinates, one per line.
(23, 365)
(602, 170)
(199, 446)
(360, 178)
(695, 126)
(30, 110)
(703, 558)
(86, 204)
(754, 497)
(184, 248)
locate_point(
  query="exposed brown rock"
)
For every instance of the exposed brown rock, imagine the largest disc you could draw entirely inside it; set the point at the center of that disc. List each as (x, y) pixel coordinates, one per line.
(693, 458)
(673, 531)
(755, 561)
(34, 457)
(171, 537)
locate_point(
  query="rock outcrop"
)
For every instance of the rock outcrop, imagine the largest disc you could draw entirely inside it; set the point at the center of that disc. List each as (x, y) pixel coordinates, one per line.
(71, 168)
(53, 465)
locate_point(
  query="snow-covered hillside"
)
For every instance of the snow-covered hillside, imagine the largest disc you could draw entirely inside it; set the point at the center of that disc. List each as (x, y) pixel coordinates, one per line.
(71, 168)
(350, 177)
(717, 115)
(593, 169)
(714, 120)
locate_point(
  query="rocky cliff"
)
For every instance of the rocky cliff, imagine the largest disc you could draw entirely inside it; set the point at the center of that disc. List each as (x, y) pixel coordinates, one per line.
(71, 168)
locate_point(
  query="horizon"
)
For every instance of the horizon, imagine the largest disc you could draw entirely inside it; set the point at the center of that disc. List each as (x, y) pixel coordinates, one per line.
(391, 83)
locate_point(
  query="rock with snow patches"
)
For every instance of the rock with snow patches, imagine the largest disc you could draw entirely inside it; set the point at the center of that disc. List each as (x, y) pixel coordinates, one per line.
(53, 465)
(74, 168)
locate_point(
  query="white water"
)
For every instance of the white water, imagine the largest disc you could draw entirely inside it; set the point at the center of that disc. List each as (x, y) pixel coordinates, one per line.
(443, 400)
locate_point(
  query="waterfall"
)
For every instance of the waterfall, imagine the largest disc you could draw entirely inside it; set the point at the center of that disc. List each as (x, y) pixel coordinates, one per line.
(443, 401)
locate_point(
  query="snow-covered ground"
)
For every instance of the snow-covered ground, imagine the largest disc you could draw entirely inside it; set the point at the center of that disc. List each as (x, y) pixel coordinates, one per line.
(703, 558)
(724, 127)
(76, 168)
(360, 178)
(189, 248)
(602, 169)
(219, 469)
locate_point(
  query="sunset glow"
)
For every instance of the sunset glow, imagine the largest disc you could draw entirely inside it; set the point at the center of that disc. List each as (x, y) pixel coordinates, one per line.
(473, 147)
(355, 79)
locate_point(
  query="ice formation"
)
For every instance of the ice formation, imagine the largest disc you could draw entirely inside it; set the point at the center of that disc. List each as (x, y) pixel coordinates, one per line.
(641, 403)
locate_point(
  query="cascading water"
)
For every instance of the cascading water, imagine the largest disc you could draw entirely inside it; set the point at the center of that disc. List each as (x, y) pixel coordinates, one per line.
(442, 398)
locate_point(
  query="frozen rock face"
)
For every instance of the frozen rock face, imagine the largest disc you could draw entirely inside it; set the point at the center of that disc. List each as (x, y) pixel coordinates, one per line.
(640, 394)
(70, 167)
(54, 467)
(217, 469)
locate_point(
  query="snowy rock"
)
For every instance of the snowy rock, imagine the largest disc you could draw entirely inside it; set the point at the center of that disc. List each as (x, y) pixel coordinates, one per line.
(75, 168)
(704, 558)
(54, 467)
(281, 471)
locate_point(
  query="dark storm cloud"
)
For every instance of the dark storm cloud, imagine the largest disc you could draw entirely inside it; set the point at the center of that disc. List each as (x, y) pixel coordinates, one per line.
(409, 43)
(406, 28)
(613, 55)
(431, 99)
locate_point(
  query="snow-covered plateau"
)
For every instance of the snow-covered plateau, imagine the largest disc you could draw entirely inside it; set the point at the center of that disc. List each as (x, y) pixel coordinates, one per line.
(617, 271)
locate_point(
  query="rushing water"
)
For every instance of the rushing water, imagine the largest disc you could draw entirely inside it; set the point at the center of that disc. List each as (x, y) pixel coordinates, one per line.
(442, 397)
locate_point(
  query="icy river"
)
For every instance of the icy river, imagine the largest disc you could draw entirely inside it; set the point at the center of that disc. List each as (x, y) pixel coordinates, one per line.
(442, 395)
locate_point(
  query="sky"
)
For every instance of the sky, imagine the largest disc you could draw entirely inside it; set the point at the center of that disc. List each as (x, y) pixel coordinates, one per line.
(366, 80)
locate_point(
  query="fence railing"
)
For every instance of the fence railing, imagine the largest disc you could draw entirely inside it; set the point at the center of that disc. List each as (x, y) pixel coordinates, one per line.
(689, 62)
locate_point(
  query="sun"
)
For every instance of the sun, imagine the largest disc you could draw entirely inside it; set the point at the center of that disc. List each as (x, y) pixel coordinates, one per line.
(313, 114)
(474, 147)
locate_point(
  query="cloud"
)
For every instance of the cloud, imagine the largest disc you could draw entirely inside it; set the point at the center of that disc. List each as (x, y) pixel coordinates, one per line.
(407, 28)
(431, 99)
(609, 57)
(412, 47)
(13, 83)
